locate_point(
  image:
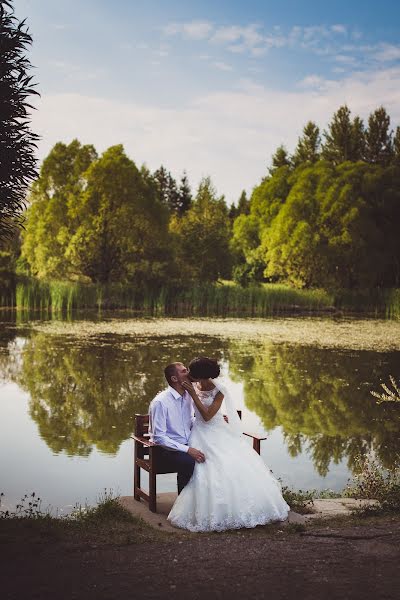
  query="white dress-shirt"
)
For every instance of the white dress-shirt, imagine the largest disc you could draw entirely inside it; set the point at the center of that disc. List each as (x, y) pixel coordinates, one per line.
(171, 419)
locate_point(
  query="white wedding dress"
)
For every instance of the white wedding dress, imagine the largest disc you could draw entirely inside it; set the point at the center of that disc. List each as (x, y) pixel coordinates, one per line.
(233, 488)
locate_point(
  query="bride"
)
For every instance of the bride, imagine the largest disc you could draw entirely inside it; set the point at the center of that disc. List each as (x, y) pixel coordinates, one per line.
(232, 488)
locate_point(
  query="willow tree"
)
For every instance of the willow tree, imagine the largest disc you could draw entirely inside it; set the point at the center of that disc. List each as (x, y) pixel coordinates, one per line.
(17, 141)
(122, 228)
(95, 218)
(52, 217)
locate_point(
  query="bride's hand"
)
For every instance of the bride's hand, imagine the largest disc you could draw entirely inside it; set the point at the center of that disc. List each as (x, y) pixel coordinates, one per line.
(188, 386)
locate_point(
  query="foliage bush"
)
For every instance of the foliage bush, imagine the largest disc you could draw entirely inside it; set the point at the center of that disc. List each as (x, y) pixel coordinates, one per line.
(374, 482)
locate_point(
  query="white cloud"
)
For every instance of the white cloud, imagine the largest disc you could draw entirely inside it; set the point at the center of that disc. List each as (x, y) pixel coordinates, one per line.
(195, 30)
(227, 34)
(230, 135)
(339, 29)
(356, 34)
(387, 53)
(312, 81)
(253, 39)
(345, 59)
(162, 53)
(171, 29)
(76, 72)
(223, 66)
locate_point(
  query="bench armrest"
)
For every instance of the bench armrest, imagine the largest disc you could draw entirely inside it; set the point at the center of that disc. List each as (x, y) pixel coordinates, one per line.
(144, 441)
(254, 436)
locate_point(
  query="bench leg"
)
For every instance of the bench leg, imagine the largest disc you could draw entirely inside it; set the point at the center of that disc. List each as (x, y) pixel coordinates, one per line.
(152, 492)
(136, 483)
(257, 446)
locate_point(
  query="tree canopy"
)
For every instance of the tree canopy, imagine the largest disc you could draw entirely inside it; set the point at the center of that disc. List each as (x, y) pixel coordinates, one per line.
(202, 236)
(325, 216)
(95, 217)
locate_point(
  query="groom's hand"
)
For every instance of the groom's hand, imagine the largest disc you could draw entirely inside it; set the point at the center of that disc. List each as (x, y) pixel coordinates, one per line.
(197, 455)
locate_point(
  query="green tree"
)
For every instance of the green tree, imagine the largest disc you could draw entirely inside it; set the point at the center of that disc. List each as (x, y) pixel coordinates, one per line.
(123, 229)
(17, 142)
(344, 139)
(202, 236)
(265, 204)
(177, 199)
(396, 147)
(185, 195)
(96, 219)
(336, 228)
(378, 138)
(308, 146)
(291, 244)
(52, 217)
(242, 207)
(279, 159)
(161, 179)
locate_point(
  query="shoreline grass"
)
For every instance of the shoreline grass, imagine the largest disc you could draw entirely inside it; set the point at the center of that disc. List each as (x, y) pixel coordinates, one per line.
(371, 481)
(58, 298)
(107, 522)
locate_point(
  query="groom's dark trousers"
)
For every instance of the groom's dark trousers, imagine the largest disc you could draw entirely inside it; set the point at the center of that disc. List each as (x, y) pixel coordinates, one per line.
(174, 460)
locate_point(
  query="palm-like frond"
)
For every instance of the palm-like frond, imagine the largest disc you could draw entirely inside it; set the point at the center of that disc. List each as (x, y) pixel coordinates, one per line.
(388, 395)
(17, 142)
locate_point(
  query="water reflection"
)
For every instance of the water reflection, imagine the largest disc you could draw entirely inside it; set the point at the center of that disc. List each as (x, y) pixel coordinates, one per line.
(85, 394)
(84, 391)
(321, 400)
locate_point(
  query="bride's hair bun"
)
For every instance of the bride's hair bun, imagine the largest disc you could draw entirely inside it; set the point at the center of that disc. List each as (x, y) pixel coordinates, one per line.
(204, 368)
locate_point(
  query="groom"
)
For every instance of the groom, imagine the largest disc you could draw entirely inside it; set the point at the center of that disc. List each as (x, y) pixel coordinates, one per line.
(171, 419)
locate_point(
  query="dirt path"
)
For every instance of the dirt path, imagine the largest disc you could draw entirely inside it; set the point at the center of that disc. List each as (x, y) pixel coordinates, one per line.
(327, 562)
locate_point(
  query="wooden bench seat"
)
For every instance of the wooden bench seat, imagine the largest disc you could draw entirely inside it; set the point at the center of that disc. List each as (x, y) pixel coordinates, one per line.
(146, 457)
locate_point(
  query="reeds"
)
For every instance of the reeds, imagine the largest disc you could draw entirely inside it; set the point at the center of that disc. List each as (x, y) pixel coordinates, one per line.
(54, 297)
(384, 302)
(210, 299)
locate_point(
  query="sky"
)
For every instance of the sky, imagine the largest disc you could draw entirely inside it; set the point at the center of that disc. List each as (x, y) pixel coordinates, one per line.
(210, 87)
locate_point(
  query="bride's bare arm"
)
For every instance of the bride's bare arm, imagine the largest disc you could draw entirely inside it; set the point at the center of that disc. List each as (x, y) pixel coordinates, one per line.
(207, 412)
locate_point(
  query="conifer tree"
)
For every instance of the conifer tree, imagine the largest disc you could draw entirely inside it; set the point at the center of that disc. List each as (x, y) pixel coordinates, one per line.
(308, 146)
(242, 207)
(279, 159)
(344, 139)
(378, 138)
(396, 147)
(161, 180)
(185, 195)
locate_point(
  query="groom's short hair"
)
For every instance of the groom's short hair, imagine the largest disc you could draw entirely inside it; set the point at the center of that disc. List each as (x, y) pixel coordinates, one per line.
(169, 371)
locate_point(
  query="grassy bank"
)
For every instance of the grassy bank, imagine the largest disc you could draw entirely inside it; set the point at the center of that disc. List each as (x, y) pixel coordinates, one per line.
(219, 299)
(107, 522)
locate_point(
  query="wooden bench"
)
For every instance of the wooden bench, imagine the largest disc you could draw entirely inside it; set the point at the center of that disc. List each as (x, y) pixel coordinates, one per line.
(146, 458)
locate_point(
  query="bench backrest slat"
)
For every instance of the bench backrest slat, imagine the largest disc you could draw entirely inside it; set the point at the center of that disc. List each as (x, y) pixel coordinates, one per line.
(141, 425)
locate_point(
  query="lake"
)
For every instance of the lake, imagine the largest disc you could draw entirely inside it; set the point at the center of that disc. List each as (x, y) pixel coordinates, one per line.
(69, 391)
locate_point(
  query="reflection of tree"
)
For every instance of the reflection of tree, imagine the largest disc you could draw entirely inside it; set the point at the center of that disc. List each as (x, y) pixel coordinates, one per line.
(9, 348)
(86, 392)
(320, 399)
